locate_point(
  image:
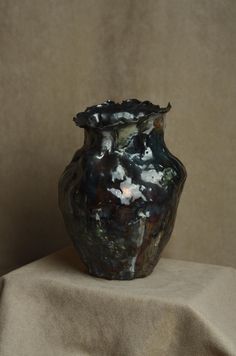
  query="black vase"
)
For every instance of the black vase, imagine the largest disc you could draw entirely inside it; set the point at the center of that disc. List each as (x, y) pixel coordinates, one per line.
(119, 195)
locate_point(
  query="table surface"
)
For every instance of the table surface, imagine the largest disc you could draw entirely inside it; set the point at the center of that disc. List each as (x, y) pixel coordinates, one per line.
(52, 307)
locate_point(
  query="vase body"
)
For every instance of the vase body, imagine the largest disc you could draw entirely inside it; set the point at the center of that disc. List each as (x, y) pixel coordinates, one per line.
(119, 195)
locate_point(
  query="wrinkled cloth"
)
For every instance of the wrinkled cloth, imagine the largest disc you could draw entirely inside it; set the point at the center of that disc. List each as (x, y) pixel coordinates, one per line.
(51, 307)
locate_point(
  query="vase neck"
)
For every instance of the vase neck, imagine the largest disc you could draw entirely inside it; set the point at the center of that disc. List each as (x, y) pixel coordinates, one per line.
(107, 140)
(102, 140)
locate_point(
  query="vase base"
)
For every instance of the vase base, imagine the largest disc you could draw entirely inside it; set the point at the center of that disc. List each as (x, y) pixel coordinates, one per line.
(121, 275)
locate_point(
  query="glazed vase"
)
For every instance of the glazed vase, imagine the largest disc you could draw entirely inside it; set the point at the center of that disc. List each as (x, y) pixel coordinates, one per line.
(120, 193)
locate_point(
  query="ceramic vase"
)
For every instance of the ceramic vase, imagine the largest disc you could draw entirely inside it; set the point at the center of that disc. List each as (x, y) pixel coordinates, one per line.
(120, 193)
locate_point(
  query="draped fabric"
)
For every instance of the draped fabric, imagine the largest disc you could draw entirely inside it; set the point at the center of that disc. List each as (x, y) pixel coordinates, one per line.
(50, 307)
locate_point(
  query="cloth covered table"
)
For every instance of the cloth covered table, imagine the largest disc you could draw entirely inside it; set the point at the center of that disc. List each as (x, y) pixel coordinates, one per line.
(52, 308)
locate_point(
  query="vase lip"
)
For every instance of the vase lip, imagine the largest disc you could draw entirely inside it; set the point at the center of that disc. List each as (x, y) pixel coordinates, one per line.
(109, 114)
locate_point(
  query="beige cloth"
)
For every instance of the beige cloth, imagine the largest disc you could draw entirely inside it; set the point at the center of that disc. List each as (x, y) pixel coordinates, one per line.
(52, 308)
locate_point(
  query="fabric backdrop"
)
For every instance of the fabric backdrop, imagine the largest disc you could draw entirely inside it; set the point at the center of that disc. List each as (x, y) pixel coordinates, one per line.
(59, 56)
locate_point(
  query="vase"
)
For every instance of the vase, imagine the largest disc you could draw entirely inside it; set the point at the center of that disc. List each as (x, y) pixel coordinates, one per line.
(119, 195)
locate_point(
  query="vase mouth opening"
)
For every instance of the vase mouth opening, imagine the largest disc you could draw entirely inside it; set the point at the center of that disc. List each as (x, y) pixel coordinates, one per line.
(110, 114)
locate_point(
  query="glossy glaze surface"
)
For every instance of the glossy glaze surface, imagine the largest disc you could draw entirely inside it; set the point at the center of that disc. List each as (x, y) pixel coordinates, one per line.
(120, 193)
